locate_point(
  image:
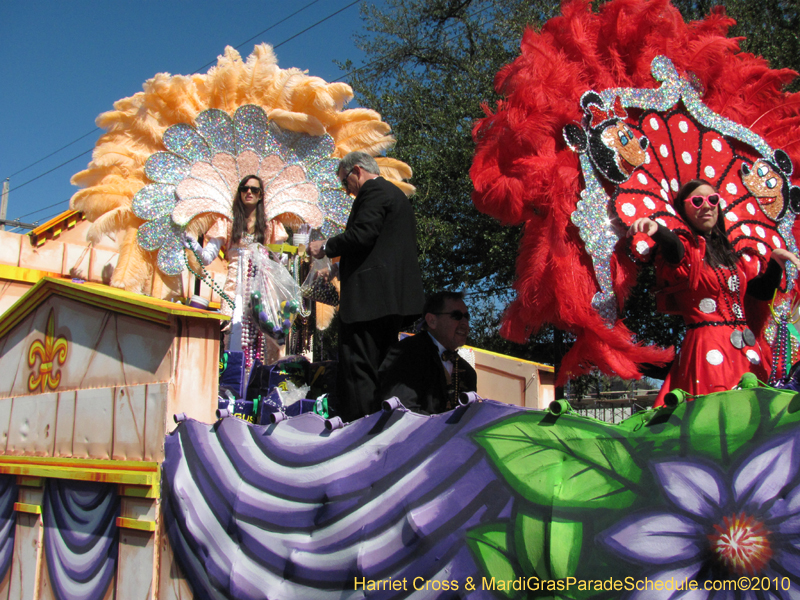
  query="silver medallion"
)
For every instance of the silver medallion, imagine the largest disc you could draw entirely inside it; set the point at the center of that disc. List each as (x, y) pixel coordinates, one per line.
(737, 340)
(707, 305)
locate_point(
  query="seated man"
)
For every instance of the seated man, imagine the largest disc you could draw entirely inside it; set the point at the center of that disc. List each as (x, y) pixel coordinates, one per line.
(424, 371)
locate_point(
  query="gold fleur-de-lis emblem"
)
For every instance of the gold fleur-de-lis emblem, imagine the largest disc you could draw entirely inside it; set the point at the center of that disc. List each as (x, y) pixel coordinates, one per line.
(53, 350)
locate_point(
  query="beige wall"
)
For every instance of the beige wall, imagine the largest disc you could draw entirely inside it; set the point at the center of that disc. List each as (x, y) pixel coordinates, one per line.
(10, 292)
(121, 382)
(70, 256)
(104, 348)
(194, 381)
(513, 380)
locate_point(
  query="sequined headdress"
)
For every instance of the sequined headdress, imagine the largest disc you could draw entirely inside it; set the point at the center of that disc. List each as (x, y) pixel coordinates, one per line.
(201, 169)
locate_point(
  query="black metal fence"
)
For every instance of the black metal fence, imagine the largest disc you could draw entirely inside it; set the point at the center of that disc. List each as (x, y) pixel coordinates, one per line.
(613, 407)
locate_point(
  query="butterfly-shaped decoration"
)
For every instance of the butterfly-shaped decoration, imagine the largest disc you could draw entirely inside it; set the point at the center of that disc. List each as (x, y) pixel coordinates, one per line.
(637, 164)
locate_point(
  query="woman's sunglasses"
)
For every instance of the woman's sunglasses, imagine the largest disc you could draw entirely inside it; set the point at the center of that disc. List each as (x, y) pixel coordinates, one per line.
(697, 201)
(253, 188)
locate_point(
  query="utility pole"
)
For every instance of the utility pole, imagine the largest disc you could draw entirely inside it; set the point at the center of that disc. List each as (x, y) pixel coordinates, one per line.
(17, 224)
(4, 205)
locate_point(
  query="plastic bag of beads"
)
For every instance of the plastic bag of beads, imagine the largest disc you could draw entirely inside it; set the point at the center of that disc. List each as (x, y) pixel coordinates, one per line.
(317, 285)
(274, 300)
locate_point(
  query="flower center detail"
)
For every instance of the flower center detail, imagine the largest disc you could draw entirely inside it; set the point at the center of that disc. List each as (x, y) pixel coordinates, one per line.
(741, 544)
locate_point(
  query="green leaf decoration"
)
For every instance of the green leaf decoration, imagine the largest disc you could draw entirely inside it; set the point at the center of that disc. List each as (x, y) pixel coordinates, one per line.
(550, 549)
(573, 464)
(782, 407)
(489, 546)
(719, 424)
(716, 425)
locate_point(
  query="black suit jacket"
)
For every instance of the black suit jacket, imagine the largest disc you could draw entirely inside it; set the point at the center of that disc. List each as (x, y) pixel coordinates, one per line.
(379, 270)
(413, 371)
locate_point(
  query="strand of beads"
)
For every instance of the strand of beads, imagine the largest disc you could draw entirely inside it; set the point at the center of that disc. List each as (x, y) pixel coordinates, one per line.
(206, 278)
(730, 285)
(250, 331)
(781, 354)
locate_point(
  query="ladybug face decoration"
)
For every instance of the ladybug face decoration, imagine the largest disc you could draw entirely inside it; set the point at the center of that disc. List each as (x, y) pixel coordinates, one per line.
(769, 184)
(612, 145)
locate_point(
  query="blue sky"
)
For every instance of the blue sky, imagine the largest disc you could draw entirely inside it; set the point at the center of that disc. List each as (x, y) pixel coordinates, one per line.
(62, 63)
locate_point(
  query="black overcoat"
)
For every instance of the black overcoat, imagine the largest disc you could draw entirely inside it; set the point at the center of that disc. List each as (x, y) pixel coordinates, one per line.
(379, 270)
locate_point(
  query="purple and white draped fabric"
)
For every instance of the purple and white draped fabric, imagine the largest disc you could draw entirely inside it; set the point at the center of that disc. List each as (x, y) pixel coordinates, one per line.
(292, 511)
(8, 521)
(80, 537)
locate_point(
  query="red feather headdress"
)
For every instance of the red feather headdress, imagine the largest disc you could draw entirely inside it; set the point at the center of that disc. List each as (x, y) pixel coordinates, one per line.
(588, 81)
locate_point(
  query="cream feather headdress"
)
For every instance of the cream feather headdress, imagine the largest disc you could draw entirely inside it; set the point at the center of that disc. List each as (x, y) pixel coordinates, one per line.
(173, 154)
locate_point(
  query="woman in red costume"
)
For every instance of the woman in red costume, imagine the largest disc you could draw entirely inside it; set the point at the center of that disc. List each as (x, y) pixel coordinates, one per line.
(705, 281)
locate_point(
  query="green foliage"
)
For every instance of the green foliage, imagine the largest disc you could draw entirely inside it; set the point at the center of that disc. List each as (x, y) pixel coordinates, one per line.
(574, 477)
(551, 548)
(489, 545)
(576, 464)
(431, 64)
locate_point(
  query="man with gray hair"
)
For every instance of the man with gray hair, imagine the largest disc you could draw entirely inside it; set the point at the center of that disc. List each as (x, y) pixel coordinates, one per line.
(380, 276)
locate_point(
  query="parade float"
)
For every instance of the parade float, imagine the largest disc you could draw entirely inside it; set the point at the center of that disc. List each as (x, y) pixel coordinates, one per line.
(119, 480)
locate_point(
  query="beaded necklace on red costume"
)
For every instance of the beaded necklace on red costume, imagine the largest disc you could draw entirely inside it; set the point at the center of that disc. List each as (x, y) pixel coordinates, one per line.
(731, 292)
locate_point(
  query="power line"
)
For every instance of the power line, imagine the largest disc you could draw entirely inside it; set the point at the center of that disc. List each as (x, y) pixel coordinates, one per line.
(203, 67)
(42, 209)
(208, 64)
(47, 218)
(54, 152)
(330, 16)
(51, 170)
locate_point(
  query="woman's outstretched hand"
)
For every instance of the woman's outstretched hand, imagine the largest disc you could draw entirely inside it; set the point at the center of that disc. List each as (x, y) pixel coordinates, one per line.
(643, 225)
(781, 255)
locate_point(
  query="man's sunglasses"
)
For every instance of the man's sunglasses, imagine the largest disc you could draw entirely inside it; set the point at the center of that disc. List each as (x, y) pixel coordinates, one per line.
(253, 188)
(456, 315)
(344, 179)
(697, 201)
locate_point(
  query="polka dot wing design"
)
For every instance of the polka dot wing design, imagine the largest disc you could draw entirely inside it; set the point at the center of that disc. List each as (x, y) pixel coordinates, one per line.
(681, 149)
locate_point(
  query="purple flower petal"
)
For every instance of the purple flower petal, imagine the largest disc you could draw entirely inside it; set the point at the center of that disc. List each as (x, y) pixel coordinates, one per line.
(789, 558)
(698, 594)
(695, 488)
(765, 473)
(673, 578)
(793, 593)
(655, 538)
(788, 511)
(790, 526)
